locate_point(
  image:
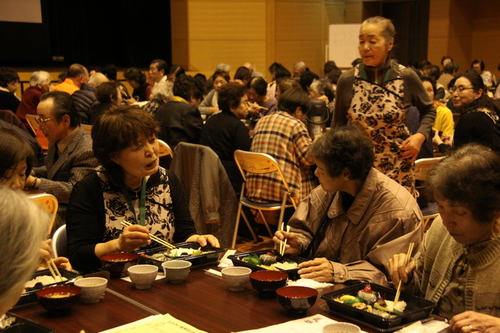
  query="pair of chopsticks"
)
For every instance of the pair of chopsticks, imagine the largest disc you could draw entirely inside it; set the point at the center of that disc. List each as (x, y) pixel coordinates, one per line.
(283, 243)
(408, 257)
(54, 271)
(153, 237)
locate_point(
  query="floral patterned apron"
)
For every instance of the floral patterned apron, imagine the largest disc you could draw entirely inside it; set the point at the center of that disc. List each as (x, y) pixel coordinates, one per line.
(381, 112)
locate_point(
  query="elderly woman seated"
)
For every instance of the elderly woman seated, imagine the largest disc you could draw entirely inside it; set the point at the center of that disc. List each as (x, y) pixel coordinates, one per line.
(129, 187)
(23, 226)
(160, 94)
(459, 261)
(40, 83)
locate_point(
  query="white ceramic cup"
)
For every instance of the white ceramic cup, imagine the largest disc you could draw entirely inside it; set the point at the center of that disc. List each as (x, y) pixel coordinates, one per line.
(341, 328)
(236, 277)
(142, 275)
(92, 288)
(176, 271)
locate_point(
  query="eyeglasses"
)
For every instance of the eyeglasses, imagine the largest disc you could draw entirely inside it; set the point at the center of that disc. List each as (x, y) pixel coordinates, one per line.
(459, 89)
(41, 121)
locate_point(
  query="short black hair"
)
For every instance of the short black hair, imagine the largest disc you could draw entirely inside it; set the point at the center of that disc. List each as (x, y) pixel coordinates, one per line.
(188, 87)
(160, 64)
(344, 147)
(7, 75)
(293, 98)
(258, 84)
(63, 104)
(230, 96)
(135, 74)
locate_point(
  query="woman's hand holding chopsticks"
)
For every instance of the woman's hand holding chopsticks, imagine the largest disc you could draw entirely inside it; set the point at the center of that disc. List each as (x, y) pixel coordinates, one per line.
(133, 237)
(400, 268)
(292, 245)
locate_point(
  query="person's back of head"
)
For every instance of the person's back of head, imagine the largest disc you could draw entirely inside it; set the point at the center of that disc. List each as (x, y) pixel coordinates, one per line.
(281, 72)
(451, 68)
(23, 226)
(188, 88)
(8, 76)
(40, 78)
(243, 74)
(14, 149)
(106, 92)
(223, 67)
(258, 84)
(110, 71)
(344, 147)
(135, 74)
(62, 104)
(77, 70)
(306, 79)
(162, 91)
(323, 87)
(284, 84)
(292, 99)
(329, 66)
(97, 79)
(175, 71)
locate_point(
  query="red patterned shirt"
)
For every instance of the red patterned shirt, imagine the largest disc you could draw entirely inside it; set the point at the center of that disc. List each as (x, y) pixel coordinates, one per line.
(286, 139)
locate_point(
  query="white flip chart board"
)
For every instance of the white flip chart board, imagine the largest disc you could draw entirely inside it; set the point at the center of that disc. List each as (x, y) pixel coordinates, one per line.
(343, 43)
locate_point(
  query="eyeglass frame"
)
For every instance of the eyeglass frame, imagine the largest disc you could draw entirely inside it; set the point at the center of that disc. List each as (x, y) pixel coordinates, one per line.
(41, 121)
(459, 89)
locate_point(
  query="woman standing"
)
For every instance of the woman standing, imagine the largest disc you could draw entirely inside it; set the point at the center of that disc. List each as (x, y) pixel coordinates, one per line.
(376, 94)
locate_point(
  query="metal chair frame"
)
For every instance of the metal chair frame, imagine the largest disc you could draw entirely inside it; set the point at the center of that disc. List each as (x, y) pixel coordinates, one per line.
(260, 163)
(165, 148)
(50, 204)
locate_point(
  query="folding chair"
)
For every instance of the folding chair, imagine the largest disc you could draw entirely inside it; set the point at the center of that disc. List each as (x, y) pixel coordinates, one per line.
(60, 242)
(260, 163)
(49, 203)
(165, 149)
(39, 136)
(423, 168)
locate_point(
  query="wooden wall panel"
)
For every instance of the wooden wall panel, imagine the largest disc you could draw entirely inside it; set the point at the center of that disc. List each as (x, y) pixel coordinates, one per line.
(311, 52)
(205, 55)
(299, 21)
(227, 20)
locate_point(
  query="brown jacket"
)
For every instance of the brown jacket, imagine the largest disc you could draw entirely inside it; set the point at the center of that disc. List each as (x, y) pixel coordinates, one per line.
(383, 219)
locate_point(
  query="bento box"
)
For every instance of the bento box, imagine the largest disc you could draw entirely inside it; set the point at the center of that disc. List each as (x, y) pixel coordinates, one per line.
(21, 325)
(240, 260)
(29, 295)
(158, 255)
(416, 308)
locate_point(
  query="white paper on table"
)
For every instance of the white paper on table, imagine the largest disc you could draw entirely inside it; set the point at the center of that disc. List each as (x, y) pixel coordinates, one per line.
(431, 326)
(309, 283)
(312, 324)
(156, 324)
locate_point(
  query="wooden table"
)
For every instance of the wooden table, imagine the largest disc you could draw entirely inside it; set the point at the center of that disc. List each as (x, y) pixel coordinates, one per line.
(203, 301)
(110, 312)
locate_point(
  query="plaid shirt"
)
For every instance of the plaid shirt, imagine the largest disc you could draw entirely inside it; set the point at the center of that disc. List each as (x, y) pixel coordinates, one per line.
(286, 139)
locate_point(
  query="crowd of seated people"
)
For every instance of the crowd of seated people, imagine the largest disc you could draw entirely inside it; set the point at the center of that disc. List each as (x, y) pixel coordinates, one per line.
(122, 156)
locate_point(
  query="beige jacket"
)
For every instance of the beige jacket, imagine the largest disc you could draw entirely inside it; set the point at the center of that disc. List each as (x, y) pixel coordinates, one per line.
(383, 219)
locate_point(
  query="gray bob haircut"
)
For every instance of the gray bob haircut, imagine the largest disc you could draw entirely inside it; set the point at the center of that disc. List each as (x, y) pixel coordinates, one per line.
(23, 227)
